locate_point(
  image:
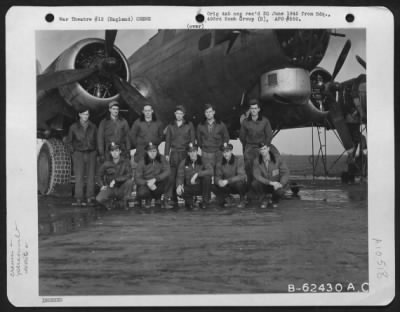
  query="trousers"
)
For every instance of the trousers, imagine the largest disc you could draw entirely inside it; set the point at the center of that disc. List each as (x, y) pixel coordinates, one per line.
(84, 162)
(120, 193)
(211, 158)
(143, 192)
(267, 191)
(203, 188)
(251, 152)
(175, 158)
(221, 193)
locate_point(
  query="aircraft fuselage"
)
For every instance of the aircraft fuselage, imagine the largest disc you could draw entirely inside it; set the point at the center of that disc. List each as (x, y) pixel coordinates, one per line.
(192, 68)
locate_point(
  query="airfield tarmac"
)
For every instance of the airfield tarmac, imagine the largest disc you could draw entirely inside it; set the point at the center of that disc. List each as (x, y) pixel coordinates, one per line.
(318, 238)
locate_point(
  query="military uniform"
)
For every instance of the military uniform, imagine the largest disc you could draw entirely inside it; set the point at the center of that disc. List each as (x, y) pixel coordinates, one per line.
(232, 171)
(81, 141)
(113, 130)
(276, 170)
(186, 170)
(252, 133)
(148, 169)
(210, 138)
(143, 132)
(176, 140)
(121, 173)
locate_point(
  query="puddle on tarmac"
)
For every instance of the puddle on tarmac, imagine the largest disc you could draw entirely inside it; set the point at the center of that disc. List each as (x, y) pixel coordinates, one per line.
(55, 219)
(333, 195)
(60, 223)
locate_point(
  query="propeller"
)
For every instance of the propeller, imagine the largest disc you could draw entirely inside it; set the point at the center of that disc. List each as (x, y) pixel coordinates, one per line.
(335, 109)
(340, 124)
(361, 61)
(62, 77)
(109, 41)
(104, 65)
(98, 60)
(130, 94)
(341, 59)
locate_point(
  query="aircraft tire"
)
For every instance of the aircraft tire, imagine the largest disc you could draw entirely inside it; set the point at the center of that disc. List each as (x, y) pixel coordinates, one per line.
(54, 165)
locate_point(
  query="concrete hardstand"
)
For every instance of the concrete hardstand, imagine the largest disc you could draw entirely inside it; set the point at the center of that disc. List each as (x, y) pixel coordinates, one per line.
(319, 237)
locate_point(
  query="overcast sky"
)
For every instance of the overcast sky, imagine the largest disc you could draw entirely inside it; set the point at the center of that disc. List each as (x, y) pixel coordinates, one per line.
(50, 44)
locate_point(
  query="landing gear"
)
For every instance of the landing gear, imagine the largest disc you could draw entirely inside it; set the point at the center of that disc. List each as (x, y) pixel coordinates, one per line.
(54, 165)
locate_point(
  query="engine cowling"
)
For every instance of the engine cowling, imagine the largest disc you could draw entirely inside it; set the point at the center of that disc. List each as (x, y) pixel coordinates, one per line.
(291, 84)
(97, 90)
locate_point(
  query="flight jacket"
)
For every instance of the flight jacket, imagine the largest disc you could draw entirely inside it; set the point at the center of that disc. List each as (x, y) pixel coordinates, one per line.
(81, 139)
(277, 170)
(233, 171)
(147, 169)
(143, 132)
(116, 131)
(178, 138)
(212, 142)
(255, 132)
(120, 172)
(187, 169)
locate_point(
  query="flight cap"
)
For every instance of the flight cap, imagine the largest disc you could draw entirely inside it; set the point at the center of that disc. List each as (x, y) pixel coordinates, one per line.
(254, 102)
(113, 146)
(150, 146)
(227, 147)
(192, 147)
(113, 103)
(180, 108)
(262, 145)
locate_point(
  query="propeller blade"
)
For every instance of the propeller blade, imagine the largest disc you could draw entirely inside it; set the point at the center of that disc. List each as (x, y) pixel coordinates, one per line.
(109, 41)
(232, 40)
(361, 61)
(130, 94)
(314, 113)
(337, 117)
(341, 59)
(62, 77)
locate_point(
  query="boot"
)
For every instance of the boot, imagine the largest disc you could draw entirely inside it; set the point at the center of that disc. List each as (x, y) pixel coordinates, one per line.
(242, 203)
(91, 202)
(189, 204)
(169, 203)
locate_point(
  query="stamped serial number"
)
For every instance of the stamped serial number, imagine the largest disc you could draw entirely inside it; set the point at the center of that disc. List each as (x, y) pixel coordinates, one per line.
(328, 287)
(52, 299)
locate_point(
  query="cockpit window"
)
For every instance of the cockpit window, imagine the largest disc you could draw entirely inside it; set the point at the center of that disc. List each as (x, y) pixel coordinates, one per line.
(205, 41)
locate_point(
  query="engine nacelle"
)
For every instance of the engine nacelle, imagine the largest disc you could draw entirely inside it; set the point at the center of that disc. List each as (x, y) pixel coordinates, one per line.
(292, 84)
(96, 91)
